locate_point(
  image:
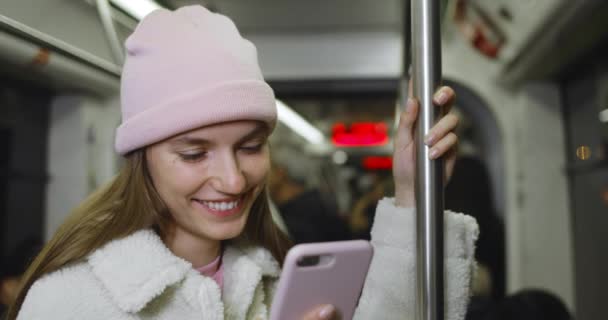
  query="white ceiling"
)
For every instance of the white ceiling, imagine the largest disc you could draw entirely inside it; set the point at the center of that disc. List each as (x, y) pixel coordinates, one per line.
(271, 16)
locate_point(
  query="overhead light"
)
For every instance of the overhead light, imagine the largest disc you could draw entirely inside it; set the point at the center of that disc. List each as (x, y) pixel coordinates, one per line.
(137, 8)
(298, 124)
(604, 116)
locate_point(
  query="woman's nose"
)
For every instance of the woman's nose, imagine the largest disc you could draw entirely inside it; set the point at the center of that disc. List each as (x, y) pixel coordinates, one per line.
(228, 176)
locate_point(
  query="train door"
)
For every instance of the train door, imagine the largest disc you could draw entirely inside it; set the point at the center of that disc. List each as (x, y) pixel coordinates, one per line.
(585, 94)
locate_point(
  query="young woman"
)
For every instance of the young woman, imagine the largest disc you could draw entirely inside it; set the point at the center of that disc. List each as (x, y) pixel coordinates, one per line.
(184, 230)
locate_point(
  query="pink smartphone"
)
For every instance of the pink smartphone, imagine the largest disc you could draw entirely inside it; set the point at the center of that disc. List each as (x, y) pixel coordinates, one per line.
(321, 273)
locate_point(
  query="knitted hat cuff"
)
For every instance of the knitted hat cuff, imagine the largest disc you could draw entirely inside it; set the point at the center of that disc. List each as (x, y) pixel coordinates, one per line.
(230, 101)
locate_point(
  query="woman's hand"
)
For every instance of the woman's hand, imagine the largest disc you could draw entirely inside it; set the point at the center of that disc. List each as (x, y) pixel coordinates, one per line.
(322, 312)
(441, 139)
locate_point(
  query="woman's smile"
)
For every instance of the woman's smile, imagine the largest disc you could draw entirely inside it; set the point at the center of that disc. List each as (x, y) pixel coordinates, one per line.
(221, 208)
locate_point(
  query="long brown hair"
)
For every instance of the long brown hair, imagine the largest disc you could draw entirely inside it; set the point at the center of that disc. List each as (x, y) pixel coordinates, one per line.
(125, 205)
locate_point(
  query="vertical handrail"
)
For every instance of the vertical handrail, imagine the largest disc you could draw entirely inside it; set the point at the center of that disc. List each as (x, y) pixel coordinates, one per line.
(426, 74)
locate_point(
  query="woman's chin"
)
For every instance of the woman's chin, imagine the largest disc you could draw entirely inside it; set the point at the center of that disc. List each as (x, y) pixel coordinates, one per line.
(226, 230)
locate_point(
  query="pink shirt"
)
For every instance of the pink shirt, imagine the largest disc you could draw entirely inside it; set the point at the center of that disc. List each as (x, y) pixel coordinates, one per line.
(214, 270)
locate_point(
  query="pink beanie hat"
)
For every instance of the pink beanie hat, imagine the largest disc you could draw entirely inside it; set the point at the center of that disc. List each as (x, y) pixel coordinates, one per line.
(184, 70)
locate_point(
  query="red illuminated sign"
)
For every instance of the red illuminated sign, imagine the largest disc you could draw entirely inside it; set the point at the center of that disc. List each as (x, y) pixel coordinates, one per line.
(377, 163)
(360, 134)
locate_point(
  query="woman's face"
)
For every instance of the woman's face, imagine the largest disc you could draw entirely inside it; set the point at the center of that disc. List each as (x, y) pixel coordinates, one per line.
(209, 177)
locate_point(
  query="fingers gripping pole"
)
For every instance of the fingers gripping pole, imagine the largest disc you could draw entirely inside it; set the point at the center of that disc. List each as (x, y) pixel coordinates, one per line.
(426, 73)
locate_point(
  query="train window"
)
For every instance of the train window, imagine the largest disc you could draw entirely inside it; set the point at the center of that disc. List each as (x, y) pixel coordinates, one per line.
(329, 176)
(23, 147)
(5, 148)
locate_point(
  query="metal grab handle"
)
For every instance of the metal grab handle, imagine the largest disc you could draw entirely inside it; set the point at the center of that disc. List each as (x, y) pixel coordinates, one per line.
(105, 16)
(424, 21)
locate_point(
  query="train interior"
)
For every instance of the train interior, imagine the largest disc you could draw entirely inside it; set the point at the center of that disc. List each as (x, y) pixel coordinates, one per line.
(531, 78)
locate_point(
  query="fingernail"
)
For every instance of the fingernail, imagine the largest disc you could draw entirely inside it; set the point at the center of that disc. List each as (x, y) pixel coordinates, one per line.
(326, 312)
(409, 105)
(433, 153)
(441, 97)
(429, 139)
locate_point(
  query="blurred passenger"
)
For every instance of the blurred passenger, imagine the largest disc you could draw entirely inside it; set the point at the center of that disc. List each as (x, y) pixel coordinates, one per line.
(364, 209)
(309, 217)
(184, 230)
(531, 304)
(470, 191)
(12, 268)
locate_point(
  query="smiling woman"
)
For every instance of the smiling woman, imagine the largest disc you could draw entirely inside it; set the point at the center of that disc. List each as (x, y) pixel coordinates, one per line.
(184, 231)
(209, 178)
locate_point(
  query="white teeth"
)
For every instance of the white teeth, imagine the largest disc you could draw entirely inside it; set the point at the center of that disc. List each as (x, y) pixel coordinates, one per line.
(221, 206)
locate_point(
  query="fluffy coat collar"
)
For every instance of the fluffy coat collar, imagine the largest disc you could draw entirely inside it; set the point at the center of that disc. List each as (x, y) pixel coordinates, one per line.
(138, 268)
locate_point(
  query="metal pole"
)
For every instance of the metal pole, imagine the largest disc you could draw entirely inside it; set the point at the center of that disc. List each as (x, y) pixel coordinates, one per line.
(47, 41)
(105, 16)
(426, 72)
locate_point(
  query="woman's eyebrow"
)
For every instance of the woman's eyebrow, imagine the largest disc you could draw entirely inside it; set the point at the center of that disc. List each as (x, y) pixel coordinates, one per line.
(185, 140)
(260, 130)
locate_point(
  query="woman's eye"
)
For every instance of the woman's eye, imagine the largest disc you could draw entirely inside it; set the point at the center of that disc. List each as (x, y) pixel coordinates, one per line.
(192, 156)
(253, 148)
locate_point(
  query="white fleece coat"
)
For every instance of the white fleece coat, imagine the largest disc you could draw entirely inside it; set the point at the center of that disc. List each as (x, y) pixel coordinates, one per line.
(139, 278)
